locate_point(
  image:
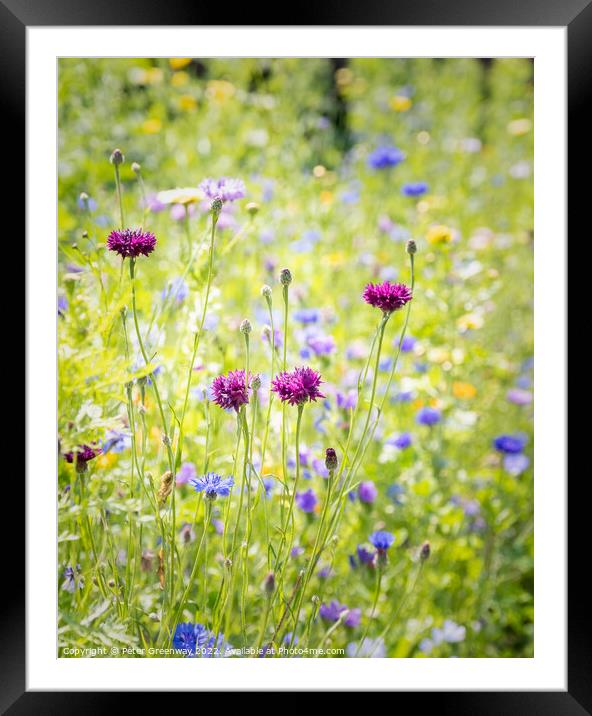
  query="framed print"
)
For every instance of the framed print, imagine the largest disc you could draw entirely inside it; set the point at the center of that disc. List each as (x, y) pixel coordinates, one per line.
(296, 355)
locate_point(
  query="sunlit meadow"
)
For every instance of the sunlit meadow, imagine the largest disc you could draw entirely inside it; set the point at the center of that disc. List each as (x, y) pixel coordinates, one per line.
(295, 331)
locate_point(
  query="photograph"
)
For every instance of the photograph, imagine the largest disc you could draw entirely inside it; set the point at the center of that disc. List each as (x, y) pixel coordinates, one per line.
(295, 325)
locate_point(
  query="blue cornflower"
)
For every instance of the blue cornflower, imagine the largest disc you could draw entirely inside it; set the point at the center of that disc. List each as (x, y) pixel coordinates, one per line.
(365, 556)
(213, 485)
(382, 540)
(509, 444)
(428, 416)
(401, 441)
(195, 640)
(515, 464)
(116, 441)
(384, 157)
(306, 501)
(414, 188)
(395, 492)
(176, 289)
(306, 315)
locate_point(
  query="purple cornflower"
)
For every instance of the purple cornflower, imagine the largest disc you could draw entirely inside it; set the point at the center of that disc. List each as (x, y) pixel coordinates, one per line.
(365, 556)
(385, 157)
(333, 611)
(186, 473)
(428, 416)
(518, 396)
(509, 444)
(414, 188)
(401, 441)
(515, 464)
(225, 188)
(387, 296)
(230, 391)
(306, 501)
(131, 242)
(408, 343)
(298, 386)
(382, 540)
(195, 640)
(307, 316)
(367, 492)
(320, 344)
(213, 485)
(81, 455)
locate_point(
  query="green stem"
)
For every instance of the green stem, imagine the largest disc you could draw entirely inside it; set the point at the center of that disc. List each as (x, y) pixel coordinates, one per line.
(196, 339)
(179, 612)
(379, 572)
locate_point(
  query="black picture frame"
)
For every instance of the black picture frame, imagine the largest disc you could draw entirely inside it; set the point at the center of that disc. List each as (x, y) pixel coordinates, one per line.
(576, 15)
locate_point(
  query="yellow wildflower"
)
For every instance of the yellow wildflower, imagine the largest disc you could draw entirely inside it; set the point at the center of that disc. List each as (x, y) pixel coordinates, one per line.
(439, 234)
(463, 391)
(400, 103)
(178, 63)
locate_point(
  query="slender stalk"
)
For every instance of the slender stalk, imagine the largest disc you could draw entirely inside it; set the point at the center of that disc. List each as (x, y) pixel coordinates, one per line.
(179, 611)
(119, 196)
(197, 338)
(402, 603)
(290, 517)
(379, 573)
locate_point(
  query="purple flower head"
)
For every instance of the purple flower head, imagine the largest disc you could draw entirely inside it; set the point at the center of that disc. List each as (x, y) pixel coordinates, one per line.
(387, 296)
(186, 473)
(515, 464)
(307, 316)
(230, 391)
(82, 454)
(365, 556)
(306, 501)
(385, 157)
(518, 396)
(320, 344)
(509, 444)
(298, 386)
(333, 611)
(348, 400)
(412, 189)
(367, 492)
(407, 345)
(225, 188)
(131, 242)
(401, 441)
(382, 540)
(428, 416)
(213, 485)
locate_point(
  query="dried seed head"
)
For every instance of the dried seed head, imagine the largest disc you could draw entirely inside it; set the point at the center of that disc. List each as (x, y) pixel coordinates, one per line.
(117, 157)
(246, 327)
(425, 551)
(285, 277)
(330, 459)
(166, 486)
(269, 583)
(216, 207)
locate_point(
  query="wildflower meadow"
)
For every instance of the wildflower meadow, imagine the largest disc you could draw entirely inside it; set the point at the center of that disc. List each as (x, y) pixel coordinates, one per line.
(295, 334)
